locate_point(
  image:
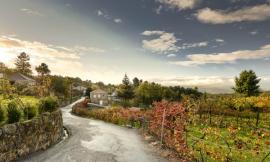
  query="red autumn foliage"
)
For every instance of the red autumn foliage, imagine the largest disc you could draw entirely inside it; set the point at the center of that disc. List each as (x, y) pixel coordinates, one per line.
(174, 124)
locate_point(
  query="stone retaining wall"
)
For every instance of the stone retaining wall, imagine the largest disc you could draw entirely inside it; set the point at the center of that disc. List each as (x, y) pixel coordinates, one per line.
(20, 139)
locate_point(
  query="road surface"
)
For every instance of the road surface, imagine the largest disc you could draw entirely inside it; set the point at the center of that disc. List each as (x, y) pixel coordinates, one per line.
(96, 141)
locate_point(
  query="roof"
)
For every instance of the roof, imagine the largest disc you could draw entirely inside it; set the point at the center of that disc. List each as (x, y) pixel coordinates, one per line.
(19, 77)
(79, 88)
(99, 91)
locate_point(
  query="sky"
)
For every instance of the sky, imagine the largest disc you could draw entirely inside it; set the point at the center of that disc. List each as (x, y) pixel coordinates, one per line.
(204, 43)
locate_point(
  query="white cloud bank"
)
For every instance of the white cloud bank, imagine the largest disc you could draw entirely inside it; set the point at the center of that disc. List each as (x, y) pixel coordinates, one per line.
(180, 4)
(221, 58)
(61, 60)
(211, 84)
(255, 13)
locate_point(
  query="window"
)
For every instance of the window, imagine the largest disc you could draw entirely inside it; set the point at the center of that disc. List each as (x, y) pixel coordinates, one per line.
(98, 95)
(95, 96)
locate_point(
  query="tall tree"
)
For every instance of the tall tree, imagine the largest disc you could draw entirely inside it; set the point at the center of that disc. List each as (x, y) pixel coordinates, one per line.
(247, 83)
(136, 82)
(43, 79)
(125, 90)
(22, 64)
(43, 69)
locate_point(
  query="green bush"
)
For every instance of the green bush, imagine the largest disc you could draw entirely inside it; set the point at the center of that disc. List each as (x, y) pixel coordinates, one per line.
(48, 104)
(13, 112)
(2, 114)
(30, 111)
(125, 103)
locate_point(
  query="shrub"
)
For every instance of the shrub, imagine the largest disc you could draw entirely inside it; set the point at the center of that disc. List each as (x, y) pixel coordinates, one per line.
(80, 111)
(48, 104)
(125, 103)
(30, 111)
(2, 114)
(174, 120)
(13, 112)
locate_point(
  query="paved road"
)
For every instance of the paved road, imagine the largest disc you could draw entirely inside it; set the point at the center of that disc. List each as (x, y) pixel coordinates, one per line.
(96, 141)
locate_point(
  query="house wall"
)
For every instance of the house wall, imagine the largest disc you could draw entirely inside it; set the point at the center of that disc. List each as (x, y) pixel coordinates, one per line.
(25, 82)
(97, 97)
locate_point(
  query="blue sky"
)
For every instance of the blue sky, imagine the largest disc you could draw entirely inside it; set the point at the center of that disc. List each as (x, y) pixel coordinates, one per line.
(203, 43)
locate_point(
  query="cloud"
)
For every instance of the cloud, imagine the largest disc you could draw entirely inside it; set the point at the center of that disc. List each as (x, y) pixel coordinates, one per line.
(10, 42)
(117, 20)
(88, 49)
(211, 84)
(158, 10)
(100, 13)
(31, 12)
(194, 45)
(194, 80)
(180, 4)
(255, 13)
(165, 42)
(108, 17)
(255, 32)
(171, 55)
(221, 58)
(58, 58)
(219, 40)
(154, 32)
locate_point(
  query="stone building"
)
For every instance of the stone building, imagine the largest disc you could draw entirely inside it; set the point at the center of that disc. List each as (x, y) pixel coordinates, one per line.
(99, 97)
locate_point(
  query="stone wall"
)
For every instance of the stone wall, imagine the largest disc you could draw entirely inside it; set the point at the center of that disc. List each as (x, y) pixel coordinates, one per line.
(20, 139)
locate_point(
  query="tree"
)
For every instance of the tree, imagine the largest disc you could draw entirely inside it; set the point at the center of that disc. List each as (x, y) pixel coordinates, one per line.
(43, 78)
(88, 91)
(43, 69)
(147, 93)
(2, 67)
(136, 82)
(22, 64)
(6, 88)
(247, 83)
(125, 90)
(168, 93)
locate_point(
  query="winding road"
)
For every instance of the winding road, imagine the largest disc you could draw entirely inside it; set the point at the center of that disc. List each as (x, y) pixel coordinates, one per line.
(96, 141)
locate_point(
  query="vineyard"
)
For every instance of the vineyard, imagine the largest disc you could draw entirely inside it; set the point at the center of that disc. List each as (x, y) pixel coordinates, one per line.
(208, 129)
(229, 128)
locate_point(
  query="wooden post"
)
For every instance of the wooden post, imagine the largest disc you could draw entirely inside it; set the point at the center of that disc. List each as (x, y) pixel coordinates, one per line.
(162, 127)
